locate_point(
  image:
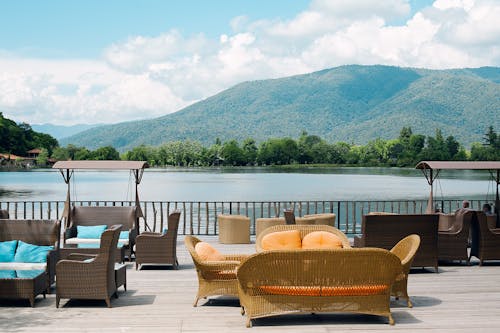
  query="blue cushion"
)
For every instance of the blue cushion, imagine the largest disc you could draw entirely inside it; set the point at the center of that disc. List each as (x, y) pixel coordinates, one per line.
(8, 250)
(7, 274)
(94, 231)
(165, 231)
(29, 274)
(31, 253)
(123, 234)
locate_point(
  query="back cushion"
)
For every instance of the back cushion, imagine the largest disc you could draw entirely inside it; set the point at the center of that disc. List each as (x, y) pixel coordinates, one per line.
(7, 251)
(321, 240)
(93, 232)
(207, 252)
(31, 253)
(282, 240)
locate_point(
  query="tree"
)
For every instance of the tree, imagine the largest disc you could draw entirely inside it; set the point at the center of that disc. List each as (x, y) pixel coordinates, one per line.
(43, 157)
(250, 150)
(233, 154)
(105, 153)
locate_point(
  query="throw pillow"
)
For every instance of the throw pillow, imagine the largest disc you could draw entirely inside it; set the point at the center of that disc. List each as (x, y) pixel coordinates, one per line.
(31, 253)
(321, 240)
(207, 252)
(94, 231)
(282, 240)
(124, 234)
(8, 250)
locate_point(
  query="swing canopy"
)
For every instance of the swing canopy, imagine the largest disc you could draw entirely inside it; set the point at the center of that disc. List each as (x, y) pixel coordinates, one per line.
(67, 167)
(431, 171)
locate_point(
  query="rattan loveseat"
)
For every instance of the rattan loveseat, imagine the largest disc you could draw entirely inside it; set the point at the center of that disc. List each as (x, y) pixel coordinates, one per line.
(384, 231)
(311, 281)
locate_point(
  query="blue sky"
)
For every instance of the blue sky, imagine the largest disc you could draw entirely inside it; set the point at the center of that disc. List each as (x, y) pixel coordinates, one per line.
(76, 61)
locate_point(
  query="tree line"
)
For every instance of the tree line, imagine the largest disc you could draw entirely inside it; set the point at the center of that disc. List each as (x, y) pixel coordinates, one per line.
(406, 150)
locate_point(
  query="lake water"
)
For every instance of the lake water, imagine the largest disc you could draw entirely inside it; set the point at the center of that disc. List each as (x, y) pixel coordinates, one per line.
(246, 184)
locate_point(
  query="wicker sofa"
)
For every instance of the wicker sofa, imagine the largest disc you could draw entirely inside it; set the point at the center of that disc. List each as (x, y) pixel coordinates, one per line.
(109, 216)
(36, 232)
(384, 231)
(311, 281)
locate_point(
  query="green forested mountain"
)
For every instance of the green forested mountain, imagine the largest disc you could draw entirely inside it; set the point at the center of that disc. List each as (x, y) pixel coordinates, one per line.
(349, 103)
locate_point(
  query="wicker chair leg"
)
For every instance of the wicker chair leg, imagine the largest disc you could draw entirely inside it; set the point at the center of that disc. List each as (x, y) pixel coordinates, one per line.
(32, 301)
(410, 305)
(136, 265)
(249, 322)
(391, 320)
(108, 302)
(242, 311)
(195, 304)
(58, 299)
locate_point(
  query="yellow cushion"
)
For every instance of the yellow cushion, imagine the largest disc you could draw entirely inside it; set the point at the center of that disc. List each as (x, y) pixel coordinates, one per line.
(207, 252)
(321, 240)
(282, 240)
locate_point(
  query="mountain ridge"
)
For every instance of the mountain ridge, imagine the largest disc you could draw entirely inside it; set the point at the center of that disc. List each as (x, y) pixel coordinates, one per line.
(351, 103)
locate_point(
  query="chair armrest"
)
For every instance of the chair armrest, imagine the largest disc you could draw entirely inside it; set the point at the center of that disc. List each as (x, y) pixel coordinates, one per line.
(149, 234)
(80, 256)
(223, 265)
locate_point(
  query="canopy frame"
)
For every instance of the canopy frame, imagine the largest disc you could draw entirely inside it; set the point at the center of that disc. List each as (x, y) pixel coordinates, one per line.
(66, 168)
(428, 167)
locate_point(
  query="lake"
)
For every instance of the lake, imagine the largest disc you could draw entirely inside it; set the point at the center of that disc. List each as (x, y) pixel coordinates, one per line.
(246, 184)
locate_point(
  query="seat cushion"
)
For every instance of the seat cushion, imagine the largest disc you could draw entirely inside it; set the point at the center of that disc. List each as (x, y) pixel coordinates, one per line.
(292, 290)
(8, 250)
(92, 242)
(282, 240)
(321, 240)
(17, 266)
(207, 252)
(361, 290)
(31, 253)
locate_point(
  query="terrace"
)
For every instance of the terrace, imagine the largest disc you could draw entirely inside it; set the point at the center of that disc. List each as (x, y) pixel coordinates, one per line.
(458, 298)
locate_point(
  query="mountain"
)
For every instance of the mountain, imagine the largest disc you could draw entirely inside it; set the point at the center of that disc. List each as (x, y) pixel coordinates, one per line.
(348, 103)
(60, 131)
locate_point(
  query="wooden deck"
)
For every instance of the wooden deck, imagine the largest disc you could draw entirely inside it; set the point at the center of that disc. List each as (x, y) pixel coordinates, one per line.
(457, 299)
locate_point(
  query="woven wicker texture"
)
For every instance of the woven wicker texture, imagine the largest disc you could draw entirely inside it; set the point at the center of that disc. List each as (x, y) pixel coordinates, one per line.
(159, 248)
(405, 250)
(265, 222)
(108, 215)
(37, 232)
(95, 279)
(323, 218)
(344, 280)
(384, 231)
(234, 229)
(214, 277)
(304, 230)
(485, 241)
(4, 214)
(452, 243)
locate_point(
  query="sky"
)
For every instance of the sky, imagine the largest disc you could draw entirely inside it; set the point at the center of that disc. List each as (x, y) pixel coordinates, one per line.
(93, 61)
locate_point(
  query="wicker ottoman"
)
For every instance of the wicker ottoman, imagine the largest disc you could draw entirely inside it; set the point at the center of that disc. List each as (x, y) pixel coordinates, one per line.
(234, 229)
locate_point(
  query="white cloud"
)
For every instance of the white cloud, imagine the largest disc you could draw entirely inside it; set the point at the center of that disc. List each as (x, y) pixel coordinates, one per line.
(149, 76)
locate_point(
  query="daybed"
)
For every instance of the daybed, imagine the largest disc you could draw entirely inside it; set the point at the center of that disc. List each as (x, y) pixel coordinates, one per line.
(35, 246)
(311, 281)
(106, 216)
(384, 231)
(216, 271)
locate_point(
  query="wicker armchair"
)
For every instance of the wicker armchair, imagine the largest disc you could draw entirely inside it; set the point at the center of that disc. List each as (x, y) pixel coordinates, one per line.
(485, 241)
(214, 277)
(453, 242)
(234, 229)
(405, 250)
(304, 229)
(86, 276)
(158, 248)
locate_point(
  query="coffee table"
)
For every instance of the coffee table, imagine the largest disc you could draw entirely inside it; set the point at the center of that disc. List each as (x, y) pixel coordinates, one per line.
(23, 284)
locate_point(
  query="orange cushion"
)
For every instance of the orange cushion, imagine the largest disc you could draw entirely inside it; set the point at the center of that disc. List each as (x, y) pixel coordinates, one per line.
(291, 290)
(207, 252)
(282, 240)
(354, 290)
(321, 240)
